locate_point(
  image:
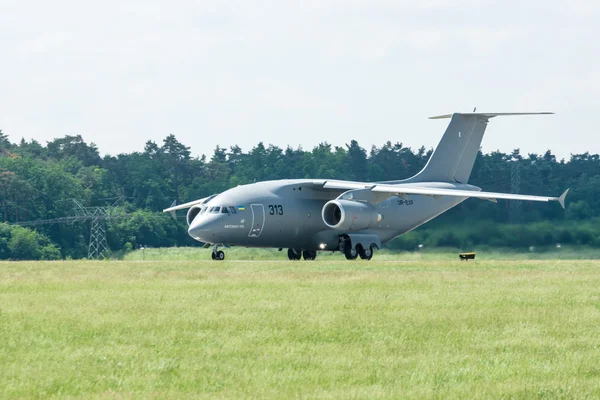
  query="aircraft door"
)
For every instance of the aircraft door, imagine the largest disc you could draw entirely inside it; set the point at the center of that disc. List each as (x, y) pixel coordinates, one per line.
(258, 220)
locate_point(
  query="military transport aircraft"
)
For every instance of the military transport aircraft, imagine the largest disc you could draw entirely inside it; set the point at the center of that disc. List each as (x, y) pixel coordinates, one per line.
(355, 218)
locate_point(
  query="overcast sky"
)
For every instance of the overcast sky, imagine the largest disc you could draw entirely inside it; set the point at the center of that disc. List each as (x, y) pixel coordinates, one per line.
(299, 72)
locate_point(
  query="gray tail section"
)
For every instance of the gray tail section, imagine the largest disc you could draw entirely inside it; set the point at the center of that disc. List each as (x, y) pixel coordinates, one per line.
(453, 158)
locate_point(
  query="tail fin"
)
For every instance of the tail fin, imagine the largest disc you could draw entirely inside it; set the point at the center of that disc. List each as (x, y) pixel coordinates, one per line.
(453, 158)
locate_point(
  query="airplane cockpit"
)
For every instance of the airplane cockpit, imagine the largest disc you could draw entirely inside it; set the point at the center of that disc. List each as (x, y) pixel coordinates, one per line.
(218, 210)
(209, 212)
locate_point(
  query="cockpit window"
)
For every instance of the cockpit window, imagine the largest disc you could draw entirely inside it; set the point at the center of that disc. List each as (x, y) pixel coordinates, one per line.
(219, 209)
(203, 210)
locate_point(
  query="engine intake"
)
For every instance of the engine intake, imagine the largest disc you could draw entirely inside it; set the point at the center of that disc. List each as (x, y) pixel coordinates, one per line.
(192, 213)
(348, 215)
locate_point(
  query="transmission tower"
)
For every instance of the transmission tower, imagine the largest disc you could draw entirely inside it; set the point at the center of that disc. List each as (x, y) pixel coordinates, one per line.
(517, 168)
(515, 187)
(514, 166)
(98, 216)
(98, 245)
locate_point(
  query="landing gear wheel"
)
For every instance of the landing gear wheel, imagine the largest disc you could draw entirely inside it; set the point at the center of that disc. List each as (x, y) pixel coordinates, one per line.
(309, 255)
(350, 252)
(365, 254)
(218, 256)
(294, 254)
(213, 256)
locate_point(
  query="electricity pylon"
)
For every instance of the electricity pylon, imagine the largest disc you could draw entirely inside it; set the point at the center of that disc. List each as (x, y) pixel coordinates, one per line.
(515, 187)
(98, 216)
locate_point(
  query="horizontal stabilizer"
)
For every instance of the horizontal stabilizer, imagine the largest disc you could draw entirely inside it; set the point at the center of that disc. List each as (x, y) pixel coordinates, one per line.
(490, 115)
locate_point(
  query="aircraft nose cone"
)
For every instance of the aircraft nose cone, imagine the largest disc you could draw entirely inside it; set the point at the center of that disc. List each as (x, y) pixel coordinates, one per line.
(202, 229)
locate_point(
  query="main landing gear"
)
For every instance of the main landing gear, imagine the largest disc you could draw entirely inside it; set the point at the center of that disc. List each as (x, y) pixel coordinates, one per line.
(353, 252)
(365, 254)
(218, 255)
(297, 254)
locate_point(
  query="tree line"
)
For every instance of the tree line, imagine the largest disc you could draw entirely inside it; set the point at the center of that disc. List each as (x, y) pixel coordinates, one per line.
(40, 182)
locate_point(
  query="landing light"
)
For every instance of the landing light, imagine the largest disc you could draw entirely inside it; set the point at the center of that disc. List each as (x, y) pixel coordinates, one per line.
(322, 246)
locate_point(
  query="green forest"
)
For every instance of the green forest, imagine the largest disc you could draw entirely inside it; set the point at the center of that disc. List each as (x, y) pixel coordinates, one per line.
(45, 189)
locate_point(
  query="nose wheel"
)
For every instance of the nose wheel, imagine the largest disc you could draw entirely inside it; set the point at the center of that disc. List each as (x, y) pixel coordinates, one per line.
(218, 255)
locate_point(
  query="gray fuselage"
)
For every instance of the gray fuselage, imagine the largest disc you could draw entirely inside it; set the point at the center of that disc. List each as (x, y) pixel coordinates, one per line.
(287, 214)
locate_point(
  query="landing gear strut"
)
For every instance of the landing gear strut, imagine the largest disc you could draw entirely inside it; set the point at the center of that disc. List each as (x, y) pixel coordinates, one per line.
(218, 255)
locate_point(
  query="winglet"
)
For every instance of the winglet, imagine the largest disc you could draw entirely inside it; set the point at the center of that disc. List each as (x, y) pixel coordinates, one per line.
(172, 212)
(562, 197)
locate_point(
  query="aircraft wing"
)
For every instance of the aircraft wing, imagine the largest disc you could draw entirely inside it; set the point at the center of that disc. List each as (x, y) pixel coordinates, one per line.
(406, 190)
(347, 185)
(185, 206)
(399, 190)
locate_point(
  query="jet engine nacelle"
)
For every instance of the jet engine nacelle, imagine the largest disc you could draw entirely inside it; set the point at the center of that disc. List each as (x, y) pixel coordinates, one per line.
(348, 215)
(191, 214)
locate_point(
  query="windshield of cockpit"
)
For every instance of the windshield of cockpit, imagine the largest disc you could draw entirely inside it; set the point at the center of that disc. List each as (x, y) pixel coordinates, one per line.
(218, 210)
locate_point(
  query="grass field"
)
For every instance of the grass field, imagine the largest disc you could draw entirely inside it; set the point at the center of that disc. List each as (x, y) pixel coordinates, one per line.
(325, 329)
(427, 254)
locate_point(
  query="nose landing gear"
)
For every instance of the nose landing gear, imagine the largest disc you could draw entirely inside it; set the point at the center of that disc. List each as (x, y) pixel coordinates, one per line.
(217, 255)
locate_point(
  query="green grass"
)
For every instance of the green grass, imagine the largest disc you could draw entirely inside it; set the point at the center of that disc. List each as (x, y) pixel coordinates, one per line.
(279, 329)
(427, 254)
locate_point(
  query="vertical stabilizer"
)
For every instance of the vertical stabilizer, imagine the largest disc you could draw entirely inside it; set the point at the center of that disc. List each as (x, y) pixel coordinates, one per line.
(453, 158)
